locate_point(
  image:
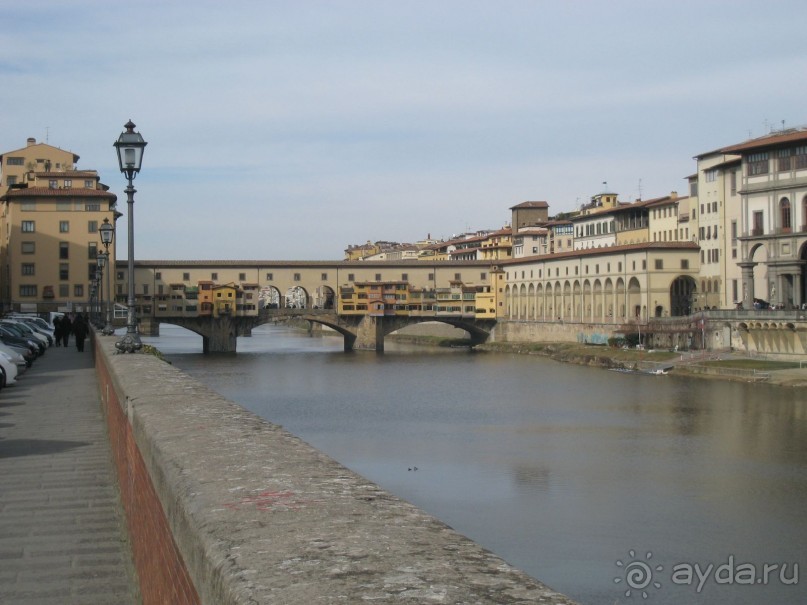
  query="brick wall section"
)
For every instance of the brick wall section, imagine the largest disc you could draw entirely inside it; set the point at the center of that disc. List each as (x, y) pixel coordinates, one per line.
(161, 571)
(260, 517)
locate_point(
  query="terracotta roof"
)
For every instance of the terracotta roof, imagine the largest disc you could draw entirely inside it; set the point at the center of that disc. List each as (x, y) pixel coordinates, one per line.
(530, 205)
(771, 140)
(54, 192)
(68, 173)
(606, 250)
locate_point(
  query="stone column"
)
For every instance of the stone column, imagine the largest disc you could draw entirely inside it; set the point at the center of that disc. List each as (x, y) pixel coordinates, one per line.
(370, 334)
(748, 283)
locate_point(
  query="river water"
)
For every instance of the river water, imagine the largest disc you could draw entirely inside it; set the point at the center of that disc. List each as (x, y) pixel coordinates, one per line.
(605, 486)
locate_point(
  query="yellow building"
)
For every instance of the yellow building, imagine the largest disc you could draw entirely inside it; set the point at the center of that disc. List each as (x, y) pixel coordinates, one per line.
(49, 220)
(224, 299)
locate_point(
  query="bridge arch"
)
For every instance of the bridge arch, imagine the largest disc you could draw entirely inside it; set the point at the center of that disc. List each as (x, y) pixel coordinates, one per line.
(296, 297)
(269, 298)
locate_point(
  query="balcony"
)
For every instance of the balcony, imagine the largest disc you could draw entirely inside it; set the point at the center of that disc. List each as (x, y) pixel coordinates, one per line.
(757, 232)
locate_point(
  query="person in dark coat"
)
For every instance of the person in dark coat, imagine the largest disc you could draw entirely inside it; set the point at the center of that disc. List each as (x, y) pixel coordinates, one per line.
(67, 327)
(57, 330)
(80, 330)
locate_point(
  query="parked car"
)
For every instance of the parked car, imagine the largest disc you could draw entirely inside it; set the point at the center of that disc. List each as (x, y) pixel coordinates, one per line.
(9, 369)
(24, 330)
(28, 351)
(35, 322)
(11, 336)
(33, 326)
(17, 357)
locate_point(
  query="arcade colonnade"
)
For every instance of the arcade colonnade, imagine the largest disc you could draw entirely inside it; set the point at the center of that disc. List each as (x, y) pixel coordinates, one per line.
(653, 280)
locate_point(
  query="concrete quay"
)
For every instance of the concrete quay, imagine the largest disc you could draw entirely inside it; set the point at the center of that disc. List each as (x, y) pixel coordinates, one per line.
(62, 534)
(225, 508)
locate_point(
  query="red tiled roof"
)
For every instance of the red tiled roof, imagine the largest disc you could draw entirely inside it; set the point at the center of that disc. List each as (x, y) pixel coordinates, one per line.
(530, 205)
(606, 250)
(771, 140)
(53, 192)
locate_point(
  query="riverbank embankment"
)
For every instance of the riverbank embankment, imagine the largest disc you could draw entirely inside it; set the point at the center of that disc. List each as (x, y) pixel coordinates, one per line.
(722, 365)
(224, 507)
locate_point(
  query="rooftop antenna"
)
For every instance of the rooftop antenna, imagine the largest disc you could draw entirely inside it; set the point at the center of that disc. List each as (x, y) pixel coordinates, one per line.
(640, 190)
(47, 134)
(783, 125)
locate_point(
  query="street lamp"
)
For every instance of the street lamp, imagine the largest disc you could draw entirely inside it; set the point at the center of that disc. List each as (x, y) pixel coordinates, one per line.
(107, 231)
(101, 260)
(130, 146)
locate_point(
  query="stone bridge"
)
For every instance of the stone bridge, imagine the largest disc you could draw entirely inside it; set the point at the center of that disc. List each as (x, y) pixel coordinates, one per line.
(365, 332)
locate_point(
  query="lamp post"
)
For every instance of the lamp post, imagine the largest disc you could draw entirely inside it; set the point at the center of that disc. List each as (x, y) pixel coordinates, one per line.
(130, 146)
(107, 232)
(101, 260)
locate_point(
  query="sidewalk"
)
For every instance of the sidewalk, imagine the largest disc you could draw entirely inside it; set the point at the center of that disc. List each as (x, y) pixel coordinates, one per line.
(62, 535)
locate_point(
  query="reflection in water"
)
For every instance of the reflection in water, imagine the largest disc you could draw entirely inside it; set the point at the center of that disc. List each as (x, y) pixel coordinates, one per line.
(560, 469)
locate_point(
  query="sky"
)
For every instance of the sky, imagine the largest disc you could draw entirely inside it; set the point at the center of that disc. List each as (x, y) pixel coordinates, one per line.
(290, 130)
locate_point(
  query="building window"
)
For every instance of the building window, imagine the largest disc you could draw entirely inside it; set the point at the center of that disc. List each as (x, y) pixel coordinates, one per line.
(784, 213)
(214, 276)
(800, 154)
(351, 277)
(324, 277)
(28, 269)
(186, 277)
(711, 175)
(378, 277)
(92, 207)
(64, 290)
(458, 277)
(64, 250)
(684, 263)
(68, 183)
(64, 271)
(404, 277)
(28, 290)
(88, 184)
(757, 164)
(484, 276)
(269, 277)
(297, 277)
(28, 226)
(659, 264)
(64, 226)
(28, 206)
(64, 206)
(15, 161)
(759, 222)
(28, 248)
(92, 226)
(92, 251)
(783, 163)
(431, 275)
(53, 184)
(242, 277)
(78, 291)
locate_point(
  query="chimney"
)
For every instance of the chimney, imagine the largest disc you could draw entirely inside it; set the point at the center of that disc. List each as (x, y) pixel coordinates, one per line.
(673, 194)
(31, 141)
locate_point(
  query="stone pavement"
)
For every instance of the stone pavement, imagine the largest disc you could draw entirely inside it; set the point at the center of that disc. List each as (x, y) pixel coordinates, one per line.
(62, 534)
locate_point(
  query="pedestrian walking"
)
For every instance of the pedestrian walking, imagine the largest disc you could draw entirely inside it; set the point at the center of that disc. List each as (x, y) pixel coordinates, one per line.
(80, 330)
(67, 327)
(57, 330)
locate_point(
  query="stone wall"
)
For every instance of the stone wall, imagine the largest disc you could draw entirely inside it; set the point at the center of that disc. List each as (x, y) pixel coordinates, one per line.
(226, 508)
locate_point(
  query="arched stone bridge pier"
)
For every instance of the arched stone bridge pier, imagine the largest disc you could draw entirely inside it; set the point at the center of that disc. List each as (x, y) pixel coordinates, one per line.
(363, 332)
